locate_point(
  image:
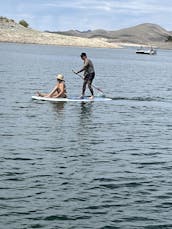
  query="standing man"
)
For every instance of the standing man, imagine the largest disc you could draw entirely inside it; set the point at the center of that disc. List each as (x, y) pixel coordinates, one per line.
(89, 74)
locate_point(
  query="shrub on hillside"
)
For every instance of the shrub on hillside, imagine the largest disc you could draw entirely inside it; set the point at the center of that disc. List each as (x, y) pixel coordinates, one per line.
(23, 23)
(169, 38)
(5, 19)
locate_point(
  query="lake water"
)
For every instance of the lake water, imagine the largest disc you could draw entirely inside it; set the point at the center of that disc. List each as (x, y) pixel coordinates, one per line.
(85, 165)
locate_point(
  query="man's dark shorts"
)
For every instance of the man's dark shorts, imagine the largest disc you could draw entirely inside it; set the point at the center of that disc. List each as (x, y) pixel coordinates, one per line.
(89, 77)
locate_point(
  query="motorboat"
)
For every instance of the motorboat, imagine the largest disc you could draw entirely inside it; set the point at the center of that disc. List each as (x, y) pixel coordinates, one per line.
(150, 51)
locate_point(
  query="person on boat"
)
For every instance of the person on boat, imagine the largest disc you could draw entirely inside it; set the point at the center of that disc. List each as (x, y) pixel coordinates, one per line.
(59, 91)
(89, 74)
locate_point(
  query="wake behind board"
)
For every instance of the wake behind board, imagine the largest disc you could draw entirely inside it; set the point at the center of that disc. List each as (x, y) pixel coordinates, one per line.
(72, 99)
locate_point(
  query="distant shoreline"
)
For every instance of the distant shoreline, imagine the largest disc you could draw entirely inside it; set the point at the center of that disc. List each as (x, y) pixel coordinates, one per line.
(62, 45)
(118, 45)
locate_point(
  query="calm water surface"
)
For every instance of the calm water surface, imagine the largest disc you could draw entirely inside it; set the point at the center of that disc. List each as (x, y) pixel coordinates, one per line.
(85, 165)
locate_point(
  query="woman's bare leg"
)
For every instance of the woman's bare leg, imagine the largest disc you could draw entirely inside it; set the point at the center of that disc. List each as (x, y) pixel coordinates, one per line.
(40, 94)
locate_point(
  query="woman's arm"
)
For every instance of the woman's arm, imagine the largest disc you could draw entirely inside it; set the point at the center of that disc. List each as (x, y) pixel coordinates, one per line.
(61, 90)
(52, 92)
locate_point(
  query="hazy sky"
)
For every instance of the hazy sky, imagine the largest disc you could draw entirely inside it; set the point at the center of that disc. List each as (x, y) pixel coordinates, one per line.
(56, 15)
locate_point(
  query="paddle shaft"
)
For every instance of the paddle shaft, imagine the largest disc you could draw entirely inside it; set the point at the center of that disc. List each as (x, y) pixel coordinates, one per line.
(92, 84)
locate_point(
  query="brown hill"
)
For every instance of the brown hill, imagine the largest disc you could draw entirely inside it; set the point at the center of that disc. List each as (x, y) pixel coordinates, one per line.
(141, 34)
(144, 33)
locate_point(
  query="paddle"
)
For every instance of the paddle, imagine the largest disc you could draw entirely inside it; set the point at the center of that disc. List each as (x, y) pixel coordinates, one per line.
(92, 84)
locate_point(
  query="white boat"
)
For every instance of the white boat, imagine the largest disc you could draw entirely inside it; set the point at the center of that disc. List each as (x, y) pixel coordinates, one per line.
(150, 51)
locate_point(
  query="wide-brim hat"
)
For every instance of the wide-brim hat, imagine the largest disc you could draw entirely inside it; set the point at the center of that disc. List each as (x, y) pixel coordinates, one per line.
(60, 77)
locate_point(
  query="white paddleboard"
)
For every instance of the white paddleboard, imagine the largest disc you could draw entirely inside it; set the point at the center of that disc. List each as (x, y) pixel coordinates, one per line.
(85, 99)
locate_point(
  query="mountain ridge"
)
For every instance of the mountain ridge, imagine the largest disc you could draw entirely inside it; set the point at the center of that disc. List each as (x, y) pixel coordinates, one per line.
(142, 33)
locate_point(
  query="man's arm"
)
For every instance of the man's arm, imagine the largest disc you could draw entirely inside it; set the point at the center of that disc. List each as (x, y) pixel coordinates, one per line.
(86, 63)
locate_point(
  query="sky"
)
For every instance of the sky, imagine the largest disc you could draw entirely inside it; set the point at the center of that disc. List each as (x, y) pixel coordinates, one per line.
(83, 15)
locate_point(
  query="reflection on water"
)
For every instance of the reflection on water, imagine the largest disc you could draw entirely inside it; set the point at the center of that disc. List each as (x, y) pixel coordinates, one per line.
(86, 115)
(86, 109)
(85, 126)
(58, 106)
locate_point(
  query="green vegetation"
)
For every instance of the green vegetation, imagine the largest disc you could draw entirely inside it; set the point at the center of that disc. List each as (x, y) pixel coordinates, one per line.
(6, 19)
(23, 23)
(169, 38)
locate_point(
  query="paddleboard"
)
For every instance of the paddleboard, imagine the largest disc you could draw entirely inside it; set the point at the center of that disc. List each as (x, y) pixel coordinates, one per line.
(72, 99)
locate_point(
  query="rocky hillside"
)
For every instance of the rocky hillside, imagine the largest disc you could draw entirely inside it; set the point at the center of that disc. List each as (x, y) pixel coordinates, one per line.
(10, 31)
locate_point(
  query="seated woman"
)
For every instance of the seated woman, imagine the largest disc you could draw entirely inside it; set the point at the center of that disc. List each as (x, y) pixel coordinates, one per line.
(59, 91)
